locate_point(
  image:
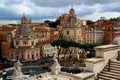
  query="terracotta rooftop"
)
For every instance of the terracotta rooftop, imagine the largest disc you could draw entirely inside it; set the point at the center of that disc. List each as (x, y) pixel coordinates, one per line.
(5, 28)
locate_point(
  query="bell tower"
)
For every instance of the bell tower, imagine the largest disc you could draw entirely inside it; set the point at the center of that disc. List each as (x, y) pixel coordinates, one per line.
(24, 19)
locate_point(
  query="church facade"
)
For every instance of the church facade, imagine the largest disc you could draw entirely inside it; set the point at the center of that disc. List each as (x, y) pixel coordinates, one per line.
(28, 41)
(23, 44)
(72, 27)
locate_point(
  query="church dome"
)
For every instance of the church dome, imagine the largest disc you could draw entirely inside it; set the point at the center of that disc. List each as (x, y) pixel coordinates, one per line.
(24, 30)
(72, 11)
(23, 18)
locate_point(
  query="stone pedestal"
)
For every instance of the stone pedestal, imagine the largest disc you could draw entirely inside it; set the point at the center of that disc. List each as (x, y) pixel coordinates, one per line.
(95, 65)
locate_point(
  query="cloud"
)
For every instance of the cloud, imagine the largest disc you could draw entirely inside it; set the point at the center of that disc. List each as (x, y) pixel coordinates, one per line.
(7, 14)
(52, 3)
(13, 22)
(13, 10)
(112, 7)
(84, 10)
(22, 8)
(95, 16)
(61, 3)
(52, 9)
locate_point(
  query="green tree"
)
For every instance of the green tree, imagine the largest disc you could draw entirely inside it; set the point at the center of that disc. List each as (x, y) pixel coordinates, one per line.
(61, 44)
(53, 24)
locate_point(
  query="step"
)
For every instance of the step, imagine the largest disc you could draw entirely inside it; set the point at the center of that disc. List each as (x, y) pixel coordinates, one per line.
(115, 63)
(113, 71)
(110, 73)
(105, 78)
(110, 76)
(113, 68)
(116, 66)
(113, 74)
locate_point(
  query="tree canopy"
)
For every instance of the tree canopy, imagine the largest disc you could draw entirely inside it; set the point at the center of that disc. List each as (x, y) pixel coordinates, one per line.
(65, 44)
(52, 24)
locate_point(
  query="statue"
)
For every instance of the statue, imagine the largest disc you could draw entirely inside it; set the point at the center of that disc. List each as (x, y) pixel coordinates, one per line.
(17, 70)
(55, 68)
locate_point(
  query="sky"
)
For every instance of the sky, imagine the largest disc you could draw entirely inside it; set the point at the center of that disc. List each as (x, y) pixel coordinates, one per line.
(39, 10)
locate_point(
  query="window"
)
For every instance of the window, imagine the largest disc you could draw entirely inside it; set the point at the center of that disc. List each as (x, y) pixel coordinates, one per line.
(25, 42)
(11, 55)
(67, 32)
(28, 56)
(22, 56)
(32, 42)
(36, 54)
(17, 42)
(17, 57)
(32, 55)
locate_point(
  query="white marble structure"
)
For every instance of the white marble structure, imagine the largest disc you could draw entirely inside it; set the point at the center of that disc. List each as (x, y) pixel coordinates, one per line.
(17, 74)
(116, 40)
(94, 65)
(103, 55)
(55, 74)
(55, 68)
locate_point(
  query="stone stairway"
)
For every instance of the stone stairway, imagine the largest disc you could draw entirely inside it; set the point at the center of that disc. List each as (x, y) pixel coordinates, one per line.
(110, 73)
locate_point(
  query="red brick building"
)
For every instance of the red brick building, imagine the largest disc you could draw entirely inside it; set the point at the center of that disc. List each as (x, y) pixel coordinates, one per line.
(108, 33)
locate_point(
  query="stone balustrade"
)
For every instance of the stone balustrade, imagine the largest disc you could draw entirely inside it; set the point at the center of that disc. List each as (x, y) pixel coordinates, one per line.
(103, 55)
